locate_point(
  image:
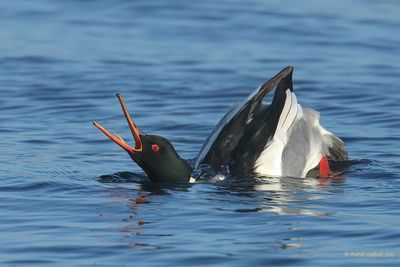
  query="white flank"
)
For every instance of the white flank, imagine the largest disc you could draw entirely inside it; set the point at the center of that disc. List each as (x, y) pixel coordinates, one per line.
(270, 161)
(317, 145)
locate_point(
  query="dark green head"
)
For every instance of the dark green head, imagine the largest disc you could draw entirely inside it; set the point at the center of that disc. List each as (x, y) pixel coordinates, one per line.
(154, 154)
(160, 161)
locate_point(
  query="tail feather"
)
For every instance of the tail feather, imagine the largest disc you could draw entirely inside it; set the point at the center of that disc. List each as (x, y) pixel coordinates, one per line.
(336, 148)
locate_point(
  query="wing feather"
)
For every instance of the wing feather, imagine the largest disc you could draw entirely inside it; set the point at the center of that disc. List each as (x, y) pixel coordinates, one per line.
(220, 145)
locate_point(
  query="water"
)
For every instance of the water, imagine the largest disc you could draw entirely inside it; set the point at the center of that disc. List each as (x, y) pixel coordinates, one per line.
(70, 197)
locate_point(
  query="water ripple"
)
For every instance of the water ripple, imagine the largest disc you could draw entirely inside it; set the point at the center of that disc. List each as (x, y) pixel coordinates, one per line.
(69, 195)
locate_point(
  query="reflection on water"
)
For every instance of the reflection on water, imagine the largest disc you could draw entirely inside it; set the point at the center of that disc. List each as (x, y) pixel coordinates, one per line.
(281, 196)
(130, 225)
(280, 193)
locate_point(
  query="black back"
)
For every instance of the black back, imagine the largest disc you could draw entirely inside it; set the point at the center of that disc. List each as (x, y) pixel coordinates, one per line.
(241, 135)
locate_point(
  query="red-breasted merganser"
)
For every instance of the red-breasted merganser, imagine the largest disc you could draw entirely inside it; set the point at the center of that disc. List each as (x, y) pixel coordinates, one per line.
(276, 139)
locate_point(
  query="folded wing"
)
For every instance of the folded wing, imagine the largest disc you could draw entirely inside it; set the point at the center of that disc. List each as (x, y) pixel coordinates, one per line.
(222, 145)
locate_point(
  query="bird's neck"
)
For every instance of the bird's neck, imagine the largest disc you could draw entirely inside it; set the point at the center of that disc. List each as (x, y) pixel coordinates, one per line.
(175, 169)
(183, 170)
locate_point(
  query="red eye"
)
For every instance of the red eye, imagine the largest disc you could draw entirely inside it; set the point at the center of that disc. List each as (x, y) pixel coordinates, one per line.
(155, 147)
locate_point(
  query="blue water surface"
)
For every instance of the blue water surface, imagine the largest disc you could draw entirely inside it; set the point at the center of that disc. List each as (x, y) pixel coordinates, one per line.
(70, 197)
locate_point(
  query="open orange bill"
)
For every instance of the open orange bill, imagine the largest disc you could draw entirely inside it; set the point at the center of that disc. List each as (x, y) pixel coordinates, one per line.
(134, 129)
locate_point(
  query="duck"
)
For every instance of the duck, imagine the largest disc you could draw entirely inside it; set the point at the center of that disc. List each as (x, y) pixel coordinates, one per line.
(277, 139)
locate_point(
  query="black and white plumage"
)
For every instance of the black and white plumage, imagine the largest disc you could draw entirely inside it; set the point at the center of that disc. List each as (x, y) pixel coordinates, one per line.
(279, 139)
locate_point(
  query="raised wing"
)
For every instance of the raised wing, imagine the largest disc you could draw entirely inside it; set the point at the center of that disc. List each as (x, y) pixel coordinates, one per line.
(218, 148)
